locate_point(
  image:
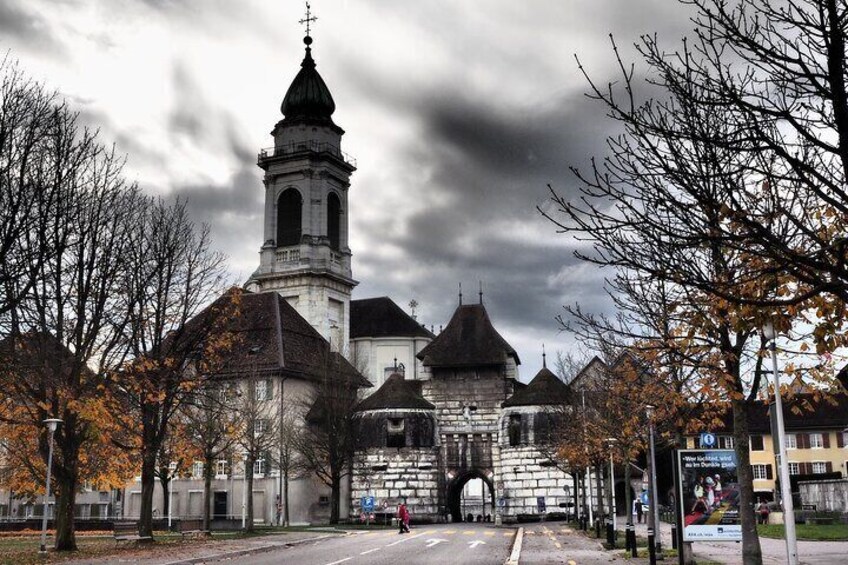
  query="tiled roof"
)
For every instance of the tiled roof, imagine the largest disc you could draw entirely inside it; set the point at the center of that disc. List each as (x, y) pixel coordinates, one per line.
(272, 338)
(469, 340)
(381, 317)
(396, 392)
(801, 412)
(546, 389)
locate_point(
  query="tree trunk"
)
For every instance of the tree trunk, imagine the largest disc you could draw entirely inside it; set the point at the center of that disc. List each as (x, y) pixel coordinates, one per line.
(249, 495)
(148, 483)
(576, 480)
(207, 492)
(165, 480)
(286, 516)
(335, 498)
(64, 512)
(751, 552)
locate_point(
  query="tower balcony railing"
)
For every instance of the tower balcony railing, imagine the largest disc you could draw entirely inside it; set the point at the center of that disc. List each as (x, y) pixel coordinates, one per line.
(306, 147)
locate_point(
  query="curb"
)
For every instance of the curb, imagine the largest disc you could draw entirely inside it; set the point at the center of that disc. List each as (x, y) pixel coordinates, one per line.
(248, 551)
(515, 555)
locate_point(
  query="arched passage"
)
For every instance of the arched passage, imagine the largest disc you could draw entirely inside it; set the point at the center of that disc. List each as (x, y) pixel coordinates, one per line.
(455, 495)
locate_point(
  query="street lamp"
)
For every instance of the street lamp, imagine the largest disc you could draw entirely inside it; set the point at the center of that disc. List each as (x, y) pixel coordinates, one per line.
(52, 424)
(654, 499)
(611, 441)
(785, 487)
(172, 467)
(244, 490)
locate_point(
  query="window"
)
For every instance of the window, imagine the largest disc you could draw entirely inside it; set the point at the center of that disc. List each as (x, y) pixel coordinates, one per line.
(262, 390)
(197, 470)
(514, 429)
(760, 472)
(819, 467)
(289, 218)
(259, 468)
(221, 469)
(260, 426)
(791, 441)
(334, 212)
(816, 441)
(725, 442)
(794, 469)
(395, 433)
(757, 443)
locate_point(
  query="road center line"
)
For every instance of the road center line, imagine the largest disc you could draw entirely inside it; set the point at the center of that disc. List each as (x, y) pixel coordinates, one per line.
(340, 561)
(370, 551)
(400, 541)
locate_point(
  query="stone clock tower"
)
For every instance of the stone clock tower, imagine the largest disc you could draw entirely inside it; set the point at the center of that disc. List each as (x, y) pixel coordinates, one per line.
(306, 257)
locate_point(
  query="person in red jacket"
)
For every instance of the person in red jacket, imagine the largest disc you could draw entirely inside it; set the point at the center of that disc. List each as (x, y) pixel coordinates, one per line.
(403, 519)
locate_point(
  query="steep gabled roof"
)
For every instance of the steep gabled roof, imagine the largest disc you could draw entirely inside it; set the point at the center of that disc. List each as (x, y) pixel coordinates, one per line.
(469, 340)
(396, 393)
(272, 338)
(381, 317)
(546, 389)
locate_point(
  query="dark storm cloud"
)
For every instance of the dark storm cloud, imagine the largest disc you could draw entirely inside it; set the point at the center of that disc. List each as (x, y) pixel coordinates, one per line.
(27, 27)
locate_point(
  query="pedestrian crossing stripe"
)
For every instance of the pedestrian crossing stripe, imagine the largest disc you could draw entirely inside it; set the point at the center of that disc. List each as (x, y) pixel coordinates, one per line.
(488, 533)
(468, 532)
(449, 532)
(507, 534)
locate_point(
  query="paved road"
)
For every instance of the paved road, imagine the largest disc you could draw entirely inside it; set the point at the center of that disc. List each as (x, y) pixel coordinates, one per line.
(555, 542)
(449, 544)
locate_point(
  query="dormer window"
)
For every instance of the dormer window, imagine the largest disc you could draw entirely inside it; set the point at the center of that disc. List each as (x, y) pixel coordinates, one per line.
(395, 432)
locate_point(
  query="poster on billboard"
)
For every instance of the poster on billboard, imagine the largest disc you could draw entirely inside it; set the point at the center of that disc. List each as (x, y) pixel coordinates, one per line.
(710, 495)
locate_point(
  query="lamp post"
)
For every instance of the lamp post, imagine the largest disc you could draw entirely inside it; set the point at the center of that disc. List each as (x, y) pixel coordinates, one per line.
(52, 424)
(244, 490)
(172, 467)
(654, 499)
(611, 441)
(785, 487)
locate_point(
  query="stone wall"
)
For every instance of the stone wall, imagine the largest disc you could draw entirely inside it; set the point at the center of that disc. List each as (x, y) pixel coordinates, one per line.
(452, 391)
(828, 495)
(527, 475)
(392, 475)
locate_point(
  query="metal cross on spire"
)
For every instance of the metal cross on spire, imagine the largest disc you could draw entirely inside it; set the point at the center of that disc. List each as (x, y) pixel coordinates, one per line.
(308, 19)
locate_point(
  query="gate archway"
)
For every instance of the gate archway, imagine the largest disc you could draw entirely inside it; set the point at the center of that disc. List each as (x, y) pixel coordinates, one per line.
(456, 486)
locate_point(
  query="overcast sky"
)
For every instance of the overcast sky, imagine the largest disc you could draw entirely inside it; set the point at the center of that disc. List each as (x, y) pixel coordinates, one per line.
(458, 113)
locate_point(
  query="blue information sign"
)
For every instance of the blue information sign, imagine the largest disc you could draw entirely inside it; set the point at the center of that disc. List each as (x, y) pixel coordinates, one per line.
(367, 503)
(708, 440)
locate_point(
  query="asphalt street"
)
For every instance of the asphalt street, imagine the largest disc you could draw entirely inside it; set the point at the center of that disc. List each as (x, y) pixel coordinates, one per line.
(453, 544)
(554, 542)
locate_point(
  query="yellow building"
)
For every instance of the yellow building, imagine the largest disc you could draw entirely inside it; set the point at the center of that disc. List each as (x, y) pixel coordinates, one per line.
(816, 441)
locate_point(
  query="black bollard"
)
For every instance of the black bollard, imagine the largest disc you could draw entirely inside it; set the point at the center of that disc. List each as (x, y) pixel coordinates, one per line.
(610, 535)
(652, 550)
(674, 536)
(631, 536)
(598, 529)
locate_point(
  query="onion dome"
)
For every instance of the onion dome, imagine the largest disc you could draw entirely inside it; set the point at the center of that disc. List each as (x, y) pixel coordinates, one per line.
(308, 97)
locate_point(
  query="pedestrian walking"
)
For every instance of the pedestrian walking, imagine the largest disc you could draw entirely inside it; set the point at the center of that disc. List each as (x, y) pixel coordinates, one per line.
(403, 519)
(638, 505)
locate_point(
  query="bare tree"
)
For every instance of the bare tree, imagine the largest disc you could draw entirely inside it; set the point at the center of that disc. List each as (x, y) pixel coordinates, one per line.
(171, 275)
(288, 459)
(259, 434)
(329, 439)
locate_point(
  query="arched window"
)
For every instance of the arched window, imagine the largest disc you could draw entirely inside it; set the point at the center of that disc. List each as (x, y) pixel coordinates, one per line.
(334, 213)
(289, 218)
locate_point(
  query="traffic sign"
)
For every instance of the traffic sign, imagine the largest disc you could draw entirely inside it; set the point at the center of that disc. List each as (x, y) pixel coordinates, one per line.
(708, 440)
(367, 503)
(501, 502)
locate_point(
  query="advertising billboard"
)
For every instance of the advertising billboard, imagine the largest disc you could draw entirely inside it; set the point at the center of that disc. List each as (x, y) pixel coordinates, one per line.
(710, 495)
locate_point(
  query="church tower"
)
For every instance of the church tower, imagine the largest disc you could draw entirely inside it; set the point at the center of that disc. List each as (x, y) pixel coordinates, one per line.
(306, 257)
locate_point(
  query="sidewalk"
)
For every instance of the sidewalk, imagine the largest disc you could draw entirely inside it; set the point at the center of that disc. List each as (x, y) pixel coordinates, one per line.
(200, 550)
(774, 550)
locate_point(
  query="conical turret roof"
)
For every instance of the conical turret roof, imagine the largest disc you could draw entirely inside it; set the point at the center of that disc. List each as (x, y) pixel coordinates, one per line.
(308, 97)
(396, 393)
(546, 389)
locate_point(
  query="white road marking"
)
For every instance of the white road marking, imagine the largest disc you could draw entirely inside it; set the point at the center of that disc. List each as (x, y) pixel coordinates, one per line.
(370, 551)
(402, 540)
(475, 543)
(340, 561)
(434, 541)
